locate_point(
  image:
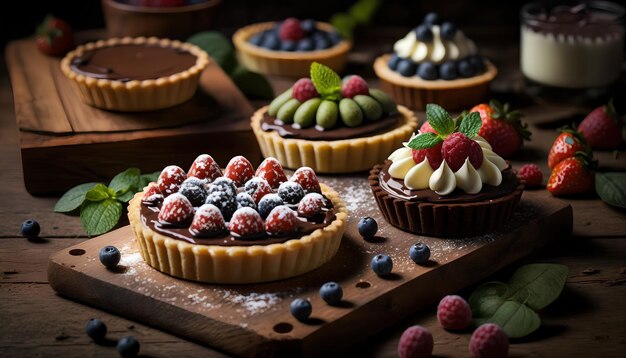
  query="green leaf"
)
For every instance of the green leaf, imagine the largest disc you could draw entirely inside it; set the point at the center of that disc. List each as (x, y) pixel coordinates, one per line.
(344, 23)
(326, 81)
(146, 179)
(611, 188)
(218, 47)
(515, 318)
(252, 84)
(100, 217)
(363, 10)
(439, 119)
(73, 198)
(487, 298)
(124, 198)
(97, 193)
(125, 181)
(537, 285)
(470, 124)
(425, 140)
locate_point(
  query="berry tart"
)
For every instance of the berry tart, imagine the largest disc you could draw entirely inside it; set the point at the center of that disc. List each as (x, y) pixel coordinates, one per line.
(135, 74)
(288, 48)
(330, 125)
(239, 225)
(446, 181)
(435, 63)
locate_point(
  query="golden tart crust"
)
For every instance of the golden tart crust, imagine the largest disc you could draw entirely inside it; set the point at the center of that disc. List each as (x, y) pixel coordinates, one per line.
(293, 64)
(239, 264)
(137, 95)
(336, 156)
(415, 92)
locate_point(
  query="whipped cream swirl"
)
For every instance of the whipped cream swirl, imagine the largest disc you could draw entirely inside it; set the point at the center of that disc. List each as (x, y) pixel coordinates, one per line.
(436, 51)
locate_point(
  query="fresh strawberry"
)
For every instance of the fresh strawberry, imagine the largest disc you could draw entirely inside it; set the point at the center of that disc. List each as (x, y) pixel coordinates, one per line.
(425, 128)
(176, 210)
(304, 89)
(271, 170)
(572, 175)
(207, 221)
(54, 36)
(281, 221)
(602, 128)
(531, 175)
(246, 222)
(151, 193)
(257, 188)
(239, 170)
(204, 167)
(311, 205)
(307, 178)
(502, 128)
(290, 30)
(565, 146)
(353, 86)
(457, 147)
(433, 154)
(170, 179)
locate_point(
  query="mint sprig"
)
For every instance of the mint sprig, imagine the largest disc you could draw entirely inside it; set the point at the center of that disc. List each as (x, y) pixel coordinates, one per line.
(470, 124)
(101, 206)
(441, 121)
(326, 81)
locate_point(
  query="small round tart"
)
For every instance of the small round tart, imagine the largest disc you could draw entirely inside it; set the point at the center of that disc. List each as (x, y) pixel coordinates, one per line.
(135, 74)
(415, 92)
(285, 63)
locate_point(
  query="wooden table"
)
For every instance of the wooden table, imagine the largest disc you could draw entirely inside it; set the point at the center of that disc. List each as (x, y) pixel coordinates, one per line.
(587, 320)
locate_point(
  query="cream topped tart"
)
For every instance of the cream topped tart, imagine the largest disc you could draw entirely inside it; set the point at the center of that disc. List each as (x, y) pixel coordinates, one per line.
(446, 181)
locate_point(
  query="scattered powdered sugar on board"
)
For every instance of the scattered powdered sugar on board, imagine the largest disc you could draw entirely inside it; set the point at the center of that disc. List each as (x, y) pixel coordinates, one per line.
(253, 302)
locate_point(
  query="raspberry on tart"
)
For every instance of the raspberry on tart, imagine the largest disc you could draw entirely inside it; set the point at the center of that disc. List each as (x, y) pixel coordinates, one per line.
(246, 223)
(207, 221)
(205, 167)
(257, 188)
(311, 205)
(239, 170)
(271, 170)
(170, 179)
(307, 178)
(176, 210)
(281, 221)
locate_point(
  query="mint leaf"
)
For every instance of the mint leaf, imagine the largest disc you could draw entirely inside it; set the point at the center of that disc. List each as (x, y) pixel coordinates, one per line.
(125, 181)
(439, 119)
(73, 198)
(326, 81)
(611, 188)
(344, 23)
(537, 285)
(425, 140)
(218, 47)
(487, 298)
(97, 193)
(252, 84)
(124, 198)
(363, 10)
(470, 124)
(146, 179)
(515, 318)
(100, 217)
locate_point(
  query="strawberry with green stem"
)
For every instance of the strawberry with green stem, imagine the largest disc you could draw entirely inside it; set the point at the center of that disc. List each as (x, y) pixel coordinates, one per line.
(501, 127)
(602, 127)
(573, 175)
(566, 145)
(54, 36)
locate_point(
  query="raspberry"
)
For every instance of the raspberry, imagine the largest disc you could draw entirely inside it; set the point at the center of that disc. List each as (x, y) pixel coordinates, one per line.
(246, 223)
(453, 312)
(204, 167)
(433, 154)
(290, 29)
(281, 221)
(271, 170)
(303, 90)
(170, 179)
(311, 205)
(415, 342)
(224, 201)
(291, 192)
(193, 189)
(257, 188)
(268, 203)
(307, 178)
(457, 147)
(531, 175)
(152, 193)
(425, 128)
(239, 170)
(489, 340)
(176, 210)
(353, 86)
(245, 200)
(208, 221)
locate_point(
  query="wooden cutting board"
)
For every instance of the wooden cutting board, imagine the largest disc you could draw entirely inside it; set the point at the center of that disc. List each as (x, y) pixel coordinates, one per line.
(254, 320)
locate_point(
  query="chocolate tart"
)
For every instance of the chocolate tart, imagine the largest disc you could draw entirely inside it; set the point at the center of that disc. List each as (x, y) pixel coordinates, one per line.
(292, 64)
(415, 92)
(239, 264)
(461, 216)
(135, 74)
(334, 156)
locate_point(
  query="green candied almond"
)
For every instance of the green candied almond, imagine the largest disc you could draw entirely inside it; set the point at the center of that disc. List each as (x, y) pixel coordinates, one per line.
(286, 112)
(326, 116)
(305, 115)
(370, 107)
(351, 114)
(385, 101)
(278, 102)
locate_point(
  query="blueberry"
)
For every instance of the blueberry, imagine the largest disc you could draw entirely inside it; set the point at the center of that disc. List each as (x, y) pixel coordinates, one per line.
(291, 192)
(193, 189)
(321, 43)
(334, 37)
(448, 30)
(427, 71)
(419, 253)
(110, 256)
(319, 35)
(269, 202)
(465, 68)
(393, 62)
(30, 229)
(288, 46)
(271, 41)
(223, 184)
(245, 200)
(423, 33)
(96, 329)
(128, 346)
(331, 292)
(478, 62)
(224, 201)
(447, 71)
(382, 265)
(432, 18)
(257, 39)
(406, 68)
(306, 44)
(308, 26)
(301, 309)
(367, 227)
